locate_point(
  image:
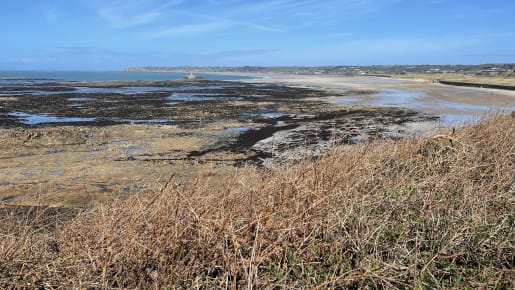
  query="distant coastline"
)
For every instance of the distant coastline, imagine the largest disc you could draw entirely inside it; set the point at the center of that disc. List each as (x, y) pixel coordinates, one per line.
(375, 70)
(125, 75)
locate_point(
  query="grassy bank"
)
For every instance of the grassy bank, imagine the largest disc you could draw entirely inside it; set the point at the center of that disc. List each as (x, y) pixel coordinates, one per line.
(419, 213)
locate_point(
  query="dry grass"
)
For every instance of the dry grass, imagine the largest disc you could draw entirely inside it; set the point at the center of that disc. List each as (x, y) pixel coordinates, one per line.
(419, 213)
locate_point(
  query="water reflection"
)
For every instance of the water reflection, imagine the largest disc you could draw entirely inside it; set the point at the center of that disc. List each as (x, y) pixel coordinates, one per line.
(34, 119)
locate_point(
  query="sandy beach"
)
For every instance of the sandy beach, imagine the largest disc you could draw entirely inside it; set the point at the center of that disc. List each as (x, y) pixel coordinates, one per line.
(452, 103)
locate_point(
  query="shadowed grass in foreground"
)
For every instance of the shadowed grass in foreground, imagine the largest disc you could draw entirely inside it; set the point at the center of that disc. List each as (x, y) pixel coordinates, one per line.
(419, 213)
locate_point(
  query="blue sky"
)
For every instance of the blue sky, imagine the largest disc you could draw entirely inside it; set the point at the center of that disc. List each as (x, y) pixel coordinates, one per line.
(114, 34)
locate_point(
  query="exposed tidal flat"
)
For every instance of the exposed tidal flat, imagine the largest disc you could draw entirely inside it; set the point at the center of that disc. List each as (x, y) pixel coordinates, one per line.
(455, 105)
(214, 184)
(81, 143)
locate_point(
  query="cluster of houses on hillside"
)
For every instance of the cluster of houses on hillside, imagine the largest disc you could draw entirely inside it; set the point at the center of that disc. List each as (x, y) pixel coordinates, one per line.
(377, 70)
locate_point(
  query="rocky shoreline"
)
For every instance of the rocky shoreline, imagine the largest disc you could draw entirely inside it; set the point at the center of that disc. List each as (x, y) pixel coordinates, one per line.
(77, 144)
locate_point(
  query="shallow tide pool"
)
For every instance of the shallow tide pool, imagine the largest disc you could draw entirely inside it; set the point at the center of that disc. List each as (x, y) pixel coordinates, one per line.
(34, 119)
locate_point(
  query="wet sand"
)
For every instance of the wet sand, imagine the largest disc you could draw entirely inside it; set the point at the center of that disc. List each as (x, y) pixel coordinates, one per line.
(454, 104)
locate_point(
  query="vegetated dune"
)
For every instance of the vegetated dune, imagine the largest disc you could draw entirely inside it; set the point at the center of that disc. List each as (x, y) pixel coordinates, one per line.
(421, 212)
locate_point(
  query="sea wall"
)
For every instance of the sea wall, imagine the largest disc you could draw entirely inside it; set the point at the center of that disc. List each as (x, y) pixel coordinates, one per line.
(477, 85)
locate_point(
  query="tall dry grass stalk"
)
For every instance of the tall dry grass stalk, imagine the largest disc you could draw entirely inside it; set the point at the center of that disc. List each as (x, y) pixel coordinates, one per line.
(419, 213)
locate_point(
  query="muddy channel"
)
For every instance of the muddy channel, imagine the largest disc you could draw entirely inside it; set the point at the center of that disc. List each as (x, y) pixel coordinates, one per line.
(73, 143)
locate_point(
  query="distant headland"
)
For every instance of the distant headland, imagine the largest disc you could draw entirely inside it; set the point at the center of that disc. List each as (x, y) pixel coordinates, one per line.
(506, 69)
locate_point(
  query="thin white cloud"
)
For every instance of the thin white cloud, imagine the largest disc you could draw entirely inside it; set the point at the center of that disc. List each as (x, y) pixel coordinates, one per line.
(32, 60)
(118, 20)
(208, 24)
(216, 15)
(312, 7)
(288, 15)
(260, 27)
(203, 28)
(126, 14)
(245, 23)
(190, 29)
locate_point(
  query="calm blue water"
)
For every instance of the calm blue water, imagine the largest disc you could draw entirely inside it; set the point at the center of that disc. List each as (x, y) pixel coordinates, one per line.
(109, 75)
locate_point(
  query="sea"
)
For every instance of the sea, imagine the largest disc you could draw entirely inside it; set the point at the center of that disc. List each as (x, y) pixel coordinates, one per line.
(89, 76)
